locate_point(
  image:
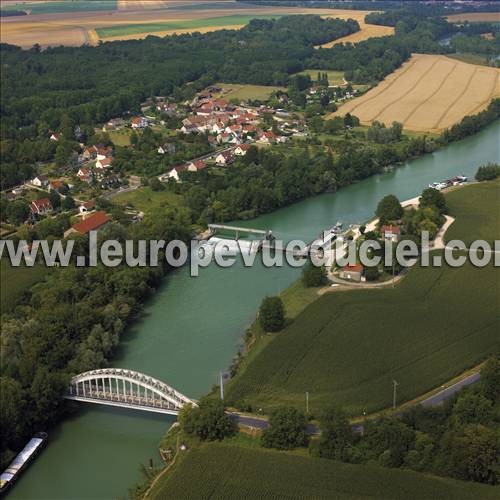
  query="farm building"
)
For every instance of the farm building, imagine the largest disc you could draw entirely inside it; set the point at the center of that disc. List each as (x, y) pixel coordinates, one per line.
(352, 273)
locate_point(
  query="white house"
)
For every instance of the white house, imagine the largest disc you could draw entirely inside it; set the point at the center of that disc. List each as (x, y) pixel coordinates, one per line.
(174, 173)
(225, 158)
(87, 206)
(40, 181)
(104, 163)
(139, 122)
(166, 148)
(85, 174)
(242, 149)
(196, 166)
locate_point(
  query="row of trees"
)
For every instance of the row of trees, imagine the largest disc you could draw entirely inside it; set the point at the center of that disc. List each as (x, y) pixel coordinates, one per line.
(459, 439)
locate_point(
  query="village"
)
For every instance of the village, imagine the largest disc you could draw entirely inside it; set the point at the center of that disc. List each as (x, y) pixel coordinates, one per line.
(229, 129)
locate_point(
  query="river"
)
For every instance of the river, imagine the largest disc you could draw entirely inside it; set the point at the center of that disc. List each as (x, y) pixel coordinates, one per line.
(192, 328)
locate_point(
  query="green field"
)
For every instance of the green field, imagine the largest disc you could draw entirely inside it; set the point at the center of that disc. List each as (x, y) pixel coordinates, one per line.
(15, 281)
(62, 6)
(246, 92)
(334, 77)
(348, 347)
(191, 24)
(477, 212)
(120, 137)
(222, 472)
(148, 201)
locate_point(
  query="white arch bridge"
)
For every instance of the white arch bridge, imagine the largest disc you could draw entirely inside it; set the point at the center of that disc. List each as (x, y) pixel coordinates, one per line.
(126, 389)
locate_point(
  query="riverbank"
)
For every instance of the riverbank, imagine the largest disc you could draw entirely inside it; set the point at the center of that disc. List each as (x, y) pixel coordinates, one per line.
(171, 342)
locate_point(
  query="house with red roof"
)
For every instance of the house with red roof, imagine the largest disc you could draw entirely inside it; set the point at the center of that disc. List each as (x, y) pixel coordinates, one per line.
(103, 152)
(196, 166)
(391, 233)
(241, 150)
(89, 153)
(139, 122)
(352, 272)
(91, 223)
(104, 163)
(268, 137)
(85, 174)
(43, 206)
(174, 173)
(56, 185)
(225, 158)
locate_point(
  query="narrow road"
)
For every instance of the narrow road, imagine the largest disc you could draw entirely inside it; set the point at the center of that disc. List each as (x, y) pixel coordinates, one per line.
(435, 400)
(447, 393)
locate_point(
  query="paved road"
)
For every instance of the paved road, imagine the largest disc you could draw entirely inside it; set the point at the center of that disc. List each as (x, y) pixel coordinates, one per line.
(116, 192)
(447, 393)
(435, 400)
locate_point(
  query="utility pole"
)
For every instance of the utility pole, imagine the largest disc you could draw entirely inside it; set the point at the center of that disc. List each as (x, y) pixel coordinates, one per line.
(394, 394)
(221, 386)
(307, 403)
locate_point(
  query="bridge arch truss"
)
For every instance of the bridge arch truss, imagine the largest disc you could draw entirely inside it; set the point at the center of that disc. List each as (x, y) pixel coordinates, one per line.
(127, 389)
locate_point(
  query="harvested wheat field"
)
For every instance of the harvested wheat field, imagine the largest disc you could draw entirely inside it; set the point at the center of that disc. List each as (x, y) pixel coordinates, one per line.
(492, 17)
(366, 30)
(127, 21)
(429, 93)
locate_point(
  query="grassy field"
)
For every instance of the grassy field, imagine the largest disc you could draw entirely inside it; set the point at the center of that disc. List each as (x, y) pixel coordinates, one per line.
(477, 212)
(62, 6)
(120, 137)
(334, 77)
(148, 201)
(470, 58)
(191, 24)
(347, 347)
(15, 281)
(428, 93)
(245, 92)
(219, 471)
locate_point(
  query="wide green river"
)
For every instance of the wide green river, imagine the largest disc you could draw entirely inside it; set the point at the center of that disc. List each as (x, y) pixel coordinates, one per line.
(192, 327)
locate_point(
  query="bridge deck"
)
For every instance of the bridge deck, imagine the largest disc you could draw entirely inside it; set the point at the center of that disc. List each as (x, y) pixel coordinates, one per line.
(155, 408)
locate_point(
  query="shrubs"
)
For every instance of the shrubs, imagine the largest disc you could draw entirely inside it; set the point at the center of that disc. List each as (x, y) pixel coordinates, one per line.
(314, 275)
(272, 314)
(287, 430)
(208, 421)
(336, 434)
(488, 172)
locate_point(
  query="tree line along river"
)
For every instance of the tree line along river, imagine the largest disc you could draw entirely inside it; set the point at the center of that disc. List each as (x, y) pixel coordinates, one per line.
(191, 329)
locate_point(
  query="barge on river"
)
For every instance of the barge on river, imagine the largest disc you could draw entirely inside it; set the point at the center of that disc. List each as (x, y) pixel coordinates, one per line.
(12, 472)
